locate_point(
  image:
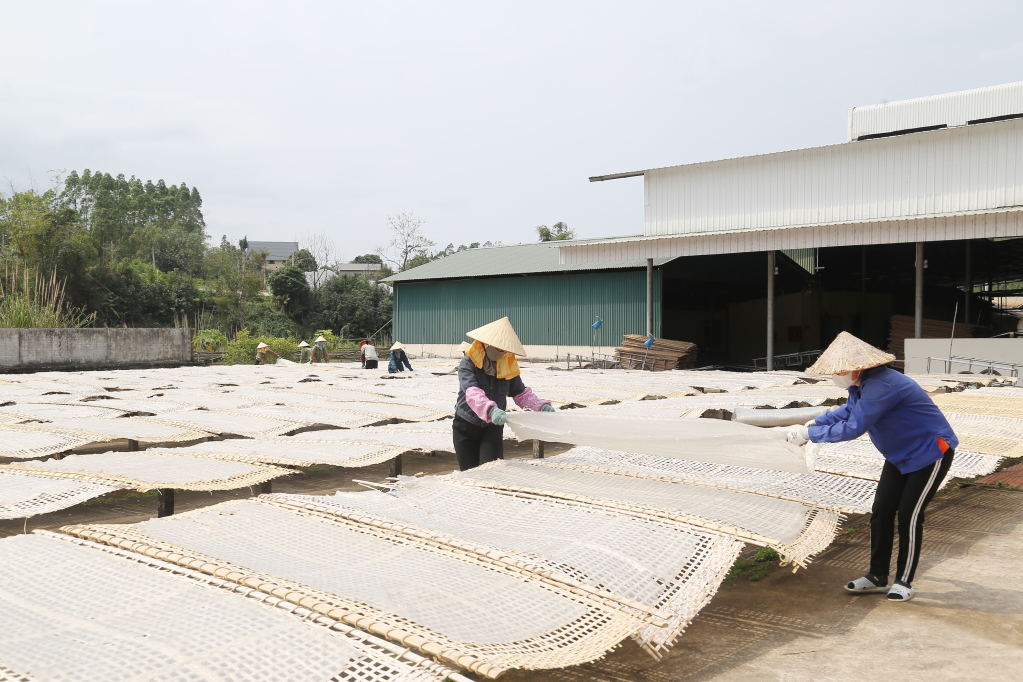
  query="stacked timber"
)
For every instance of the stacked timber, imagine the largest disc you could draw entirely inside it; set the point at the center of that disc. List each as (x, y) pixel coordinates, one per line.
(904, 327)
(663, 354)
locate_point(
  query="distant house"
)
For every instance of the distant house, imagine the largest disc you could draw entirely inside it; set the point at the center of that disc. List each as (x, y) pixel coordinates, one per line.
(320, 277)
(279, 252)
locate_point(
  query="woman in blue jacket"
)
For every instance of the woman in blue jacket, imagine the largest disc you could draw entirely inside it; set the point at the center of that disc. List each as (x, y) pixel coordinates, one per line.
(487, 376)
(916, 440)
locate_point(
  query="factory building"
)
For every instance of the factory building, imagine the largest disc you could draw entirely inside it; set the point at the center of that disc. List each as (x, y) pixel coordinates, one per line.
(917, 215)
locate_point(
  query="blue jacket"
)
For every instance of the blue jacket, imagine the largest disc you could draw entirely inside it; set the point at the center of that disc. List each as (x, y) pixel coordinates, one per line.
(498, 390)
(902, 420)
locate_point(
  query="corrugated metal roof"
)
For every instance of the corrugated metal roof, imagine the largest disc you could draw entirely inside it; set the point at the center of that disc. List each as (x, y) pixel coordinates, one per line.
(950, 109)
(278, 250)
(518, 259)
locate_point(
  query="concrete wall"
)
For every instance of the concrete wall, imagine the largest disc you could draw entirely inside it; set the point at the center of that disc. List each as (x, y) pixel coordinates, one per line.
(1000, 350)
(27, 349)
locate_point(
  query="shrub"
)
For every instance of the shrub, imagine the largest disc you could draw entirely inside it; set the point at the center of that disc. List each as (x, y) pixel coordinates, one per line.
(242, 351)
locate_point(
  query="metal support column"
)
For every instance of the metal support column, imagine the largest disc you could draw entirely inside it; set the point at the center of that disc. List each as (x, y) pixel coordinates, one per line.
(969, 283)
(863, 290)
(649, 296)
(918, 327)
(770, 311)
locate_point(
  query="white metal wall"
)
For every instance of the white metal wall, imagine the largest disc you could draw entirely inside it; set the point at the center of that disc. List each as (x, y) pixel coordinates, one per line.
(1004, 223)
(942, 172)
(952, 109)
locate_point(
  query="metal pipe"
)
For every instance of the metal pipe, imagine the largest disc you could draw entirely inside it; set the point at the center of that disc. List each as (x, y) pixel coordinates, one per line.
(770, 311)
(969, 283)
(918, 327)
(649, 297)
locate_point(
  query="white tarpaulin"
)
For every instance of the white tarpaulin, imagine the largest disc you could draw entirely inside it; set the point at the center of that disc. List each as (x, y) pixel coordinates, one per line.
(703, 440)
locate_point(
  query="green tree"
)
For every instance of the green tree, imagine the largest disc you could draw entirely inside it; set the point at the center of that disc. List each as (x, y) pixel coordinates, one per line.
(289, 286)
(355, 304)
(559, 232)
(368, 258)
(304, 260)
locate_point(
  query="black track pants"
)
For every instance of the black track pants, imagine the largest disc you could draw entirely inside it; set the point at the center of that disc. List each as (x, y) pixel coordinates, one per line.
(905, 495)
(475, 445)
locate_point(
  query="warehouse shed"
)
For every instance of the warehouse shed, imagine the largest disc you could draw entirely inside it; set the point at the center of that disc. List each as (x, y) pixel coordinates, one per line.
(552, 305)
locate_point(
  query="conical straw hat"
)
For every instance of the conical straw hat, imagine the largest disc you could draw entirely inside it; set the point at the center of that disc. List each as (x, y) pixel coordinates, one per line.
(848, 354)
(303, 345)
(462, 347)
(261, 345)
(398, 345)
(499, 334)
(320, 338)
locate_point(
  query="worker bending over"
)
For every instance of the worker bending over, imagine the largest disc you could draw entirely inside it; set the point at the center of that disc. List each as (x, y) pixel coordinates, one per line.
(916, 440)
(487, 376)
(304, 354)
(261, 350)
(368, 354)
(320, 350)
(399, 359)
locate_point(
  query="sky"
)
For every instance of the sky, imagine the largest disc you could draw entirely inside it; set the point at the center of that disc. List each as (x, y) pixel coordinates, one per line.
(483, 119)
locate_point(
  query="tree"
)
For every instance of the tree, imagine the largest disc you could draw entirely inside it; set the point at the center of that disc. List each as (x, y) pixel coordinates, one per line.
(289, 286)
(368, 258)
(559, 232)
(407, 241)
(304, 260)
(355, 304)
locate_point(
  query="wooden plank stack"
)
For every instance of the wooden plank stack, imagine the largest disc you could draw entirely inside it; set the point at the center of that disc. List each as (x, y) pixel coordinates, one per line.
(904, 327)
(662, 355)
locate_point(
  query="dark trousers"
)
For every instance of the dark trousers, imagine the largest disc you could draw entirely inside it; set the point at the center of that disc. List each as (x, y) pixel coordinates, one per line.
(905, 495)
(370, 364)
(475, 445)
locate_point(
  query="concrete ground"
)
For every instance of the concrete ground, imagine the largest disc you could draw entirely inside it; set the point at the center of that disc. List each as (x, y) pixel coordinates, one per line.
(966, 622)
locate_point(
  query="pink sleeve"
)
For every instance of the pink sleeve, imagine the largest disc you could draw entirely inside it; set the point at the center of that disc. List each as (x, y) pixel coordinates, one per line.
(478, 402)
(527, 400)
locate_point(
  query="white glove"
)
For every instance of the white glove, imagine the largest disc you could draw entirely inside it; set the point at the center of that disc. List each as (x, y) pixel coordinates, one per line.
(798, 435)
(812, 422)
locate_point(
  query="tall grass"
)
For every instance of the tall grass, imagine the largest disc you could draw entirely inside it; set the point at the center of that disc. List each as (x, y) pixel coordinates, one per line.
(28, 301)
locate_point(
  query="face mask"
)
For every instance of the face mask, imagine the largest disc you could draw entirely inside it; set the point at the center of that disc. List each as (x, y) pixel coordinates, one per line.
(842, 380)
(494, 354)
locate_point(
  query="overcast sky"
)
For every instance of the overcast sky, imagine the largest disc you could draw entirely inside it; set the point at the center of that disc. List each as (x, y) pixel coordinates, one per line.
(483, 118)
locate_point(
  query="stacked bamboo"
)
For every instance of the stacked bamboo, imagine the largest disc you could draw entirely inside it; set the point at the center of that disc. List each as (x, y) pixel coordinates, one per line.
(663, 354)
(904, 327)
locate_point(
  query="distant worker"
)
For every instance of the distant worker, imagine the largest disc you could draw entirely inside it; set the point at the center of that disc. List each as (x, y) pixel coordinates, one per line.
(320, 350)
(399, 359)
(261, 350)
(306, 355)
(916, 440)
(369, 354)
(487, 375)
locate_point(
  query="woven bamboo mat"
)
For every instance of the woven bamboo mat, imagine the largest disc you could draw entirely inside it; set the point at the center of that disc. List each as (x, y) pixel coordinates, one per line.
(828, 491)
(795, 530)
(480, 616)
(135, 428)
(135, 607)
(28, 441)
(291, 451)
(23, 495)
(226, 423)
(671, 569)
(151, 470)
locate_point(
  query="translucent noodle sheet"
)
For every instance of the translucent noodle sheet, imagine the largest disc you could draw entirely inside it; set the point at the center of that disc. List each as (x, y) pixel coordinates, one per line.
(702, 440)
(673, 569)
(104, 615)
(796, 530)
(476, 613)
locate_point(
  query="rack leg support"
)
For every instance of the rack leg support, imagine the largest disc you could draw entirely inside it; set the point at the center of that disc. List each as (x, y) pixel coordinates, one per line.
(166, 507)
(537, 449)
(395, 468)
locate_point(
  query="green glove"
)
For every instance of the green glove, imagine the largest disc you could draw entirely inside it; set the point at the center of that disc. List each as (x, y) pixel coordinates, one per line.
(547, 407)
(497, 416)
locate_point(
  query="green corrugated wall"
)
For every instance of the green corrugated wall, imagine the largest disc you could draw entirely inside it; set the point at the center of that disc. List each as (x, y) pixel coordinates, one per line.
(545, 309)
